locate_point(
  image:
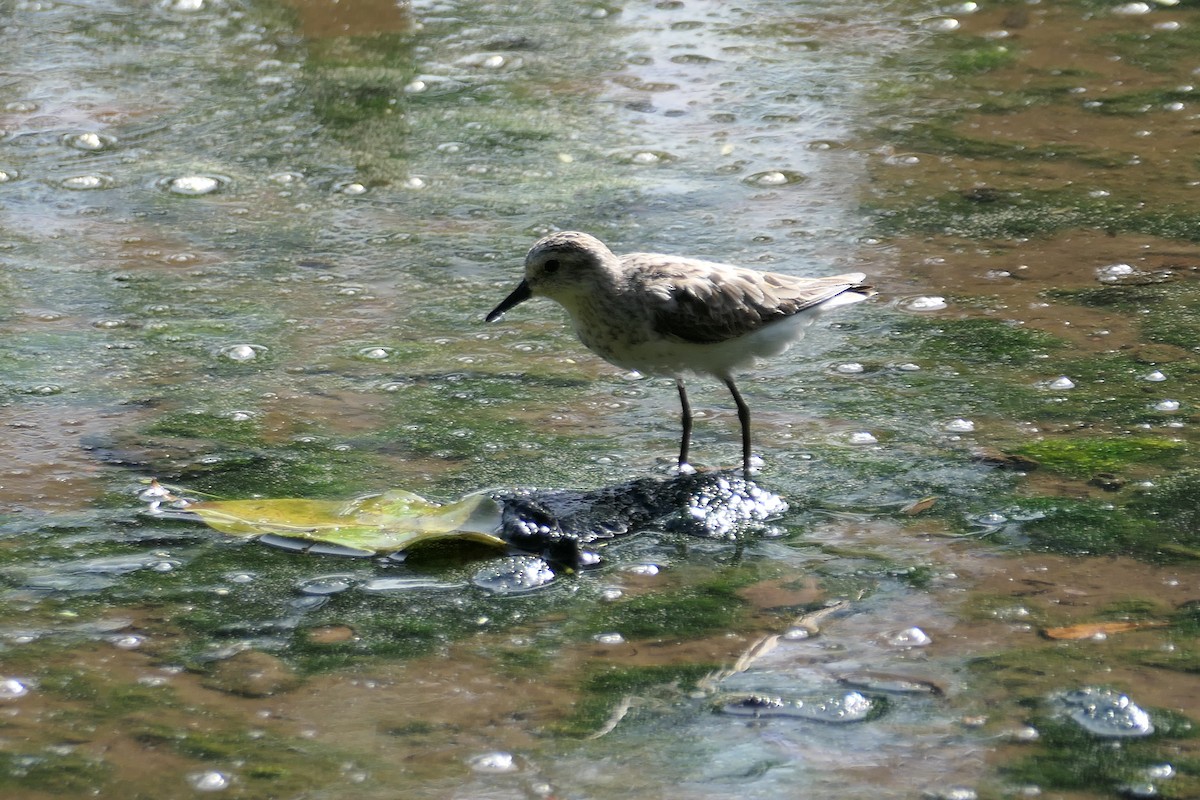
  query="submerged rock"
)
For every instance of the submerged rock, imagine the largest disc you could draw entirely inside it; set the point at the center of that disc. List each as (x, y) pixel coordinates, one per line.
(1106, 713)
(252, 673)
(848, 707)
(559, 524)
(514, 575)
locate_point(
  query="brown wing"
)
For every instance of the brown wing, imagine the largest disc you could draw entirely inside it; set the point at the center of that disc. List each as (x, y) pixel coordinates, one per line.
(704, 302)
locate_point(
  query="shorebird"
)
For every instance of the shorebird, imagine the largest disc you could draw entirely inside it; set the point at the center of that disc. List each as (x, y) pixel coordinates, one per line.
(670, 315)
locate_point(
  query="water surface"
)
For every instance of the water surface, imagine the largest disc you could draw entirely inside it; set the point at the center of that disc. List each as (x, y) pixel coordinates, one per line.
(247, 248)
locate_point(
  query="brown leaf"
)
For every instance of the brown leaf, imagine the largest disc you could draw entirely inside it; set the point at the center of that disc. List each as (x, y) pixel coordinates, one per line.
(1088, 630)
(919, 506)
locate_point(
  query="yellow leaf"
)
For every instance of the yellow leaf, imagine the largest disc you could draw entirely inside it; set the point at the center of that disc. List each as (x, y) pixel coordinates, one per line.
(386, 522)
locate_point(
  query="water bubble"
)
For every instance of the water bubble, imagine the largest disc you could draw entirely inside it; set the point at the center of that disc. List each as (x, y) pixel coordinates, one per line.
(387, 585)
(862, 437)
(922, 303)
(991, 519)
(83, 183)
(1132, 9)
(642, 569)
(286, 178)
(488, 61)
(242, 352)
(130, 642)
(415, 182)
(849, 368)
(11, 689)
(7, 175)
(375, 353)
(1114, 272)
(609, 638)
(325, 585)
(909, 367)
(514, 575)
(942, 24)
(960, 425)
(497, 761)
(646, 158)
(1026, 733)
(952, 793)
(1106, 713)
(611, 594)
(88, 141)
(1062, 382)
(111, 323)
(909, 637)
(1154, 377)
(774, 178)
(209, 781)
(350, 188)
(1166, 405)
(194, 185)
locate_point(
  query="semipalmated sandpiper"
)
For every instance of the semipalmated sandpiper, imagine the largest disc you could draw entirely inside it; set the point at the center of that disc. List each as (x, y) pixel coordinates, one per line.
(670, 315)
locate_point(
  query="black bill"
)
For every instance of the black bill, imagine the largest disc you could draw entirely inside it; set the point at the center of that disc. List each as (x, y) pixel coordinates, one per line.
(519, 295)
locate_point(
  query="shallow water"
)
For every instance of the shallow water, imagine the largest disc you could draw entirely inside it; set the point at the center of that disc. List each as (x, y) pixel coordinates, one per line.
(247, 248)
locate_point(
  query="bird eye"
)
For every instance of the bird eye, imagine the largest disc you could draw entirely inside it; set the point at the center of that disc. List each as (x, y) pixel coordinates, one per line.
(551, 266)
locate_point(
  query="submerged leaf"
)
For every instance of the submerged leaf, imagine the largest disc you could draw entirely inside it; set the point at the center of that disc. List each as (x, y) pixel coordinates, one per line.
(386, 522)
(1089, 630)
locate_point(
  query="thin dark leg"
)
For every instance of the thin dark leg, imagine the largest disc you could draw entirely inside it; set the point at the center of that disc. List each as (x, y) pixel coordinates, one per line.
(687, 423)
(744, 418)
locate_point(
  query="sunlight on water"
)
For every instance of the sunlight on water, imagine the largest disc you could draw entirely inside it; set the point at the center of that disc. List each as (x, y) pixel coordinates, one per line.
(262, 274)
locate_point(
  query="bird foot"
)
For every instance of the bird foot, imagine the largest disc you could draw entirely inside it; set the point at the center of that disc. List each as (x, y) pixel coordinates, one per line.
(753, 466)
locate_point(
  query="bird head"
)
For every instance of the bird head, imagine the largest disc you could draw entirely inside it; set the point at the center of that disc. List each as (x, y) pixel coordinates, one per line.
(561, 266)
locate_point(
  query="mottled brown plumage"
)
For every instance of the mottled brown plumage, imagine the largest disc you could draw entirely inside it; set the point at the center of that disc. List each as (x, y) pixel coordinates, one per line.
(669, 315)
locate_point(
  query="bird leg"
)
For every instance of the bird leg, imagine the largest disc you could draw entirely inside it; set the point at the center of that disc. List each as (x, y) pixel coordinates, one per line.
(744, 418)
(687, 423)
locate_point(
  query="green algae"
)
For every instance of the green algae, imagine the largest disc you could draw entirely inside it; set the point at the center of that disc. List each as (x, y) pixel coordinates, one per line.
(86, 700)
(1067, 758)
(1090, 527)
(972, 55)
(941, 137)
(52, 772)
(609, 687)
(1083, 456)
(679, 614)
(1034, 212)
(1157, 51)
(978, 341)
(1025, 671)
(1180, 659)
(1173, 500)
